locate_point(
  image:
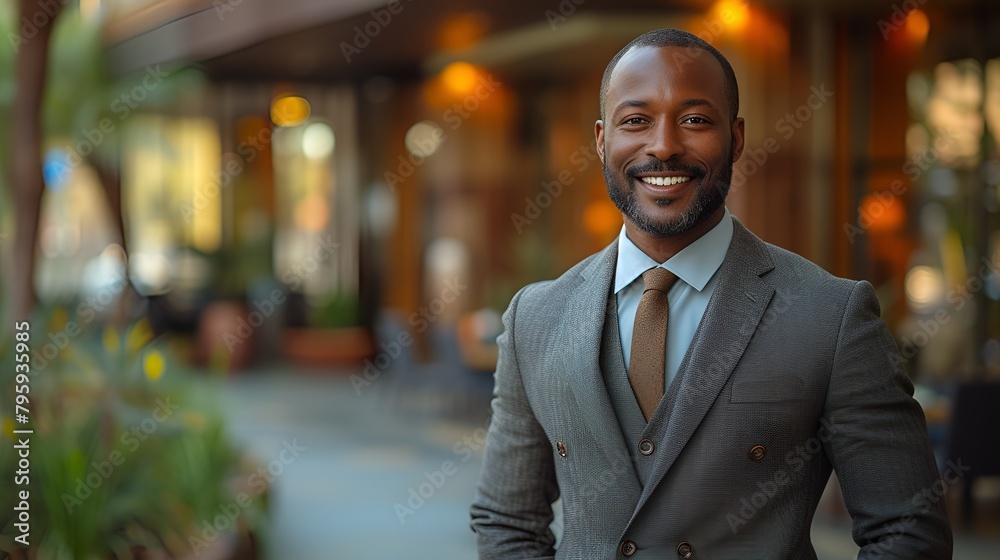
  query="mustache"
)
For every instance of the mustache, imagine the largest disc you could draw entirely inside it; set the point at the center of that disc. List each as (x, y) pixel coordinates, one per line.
(669, 166)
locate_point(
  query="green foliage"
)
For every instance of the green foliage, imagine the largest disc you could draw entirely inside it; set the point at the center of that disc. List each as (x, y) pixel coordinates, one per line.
(128, 450)
(336, 311)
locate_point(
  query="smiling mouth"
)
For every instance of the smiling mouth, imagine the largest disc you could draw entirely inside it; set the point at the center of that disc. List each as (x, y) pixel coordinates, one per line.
(664, 181)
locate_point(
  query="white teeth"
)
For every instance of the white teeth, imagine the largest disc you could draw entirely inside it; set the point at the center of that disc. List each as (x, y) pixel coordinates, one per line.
(664, 181)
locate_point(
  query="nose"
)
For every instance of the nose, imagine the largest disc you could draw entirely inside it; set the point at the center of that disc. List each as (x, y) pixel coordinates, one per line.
(664, 141)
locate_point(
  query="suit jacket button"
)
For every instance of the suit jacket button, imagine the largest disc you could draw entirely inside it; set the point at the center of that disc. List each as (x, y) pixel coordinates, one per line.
(757, 452)
(685, 550)
(646, 446)
(628, 548)
(561, 448)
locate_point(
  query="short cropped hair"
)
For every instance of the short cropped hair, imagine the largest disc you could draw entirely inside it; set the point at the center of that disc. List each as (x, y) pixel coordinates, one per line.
(676, 38)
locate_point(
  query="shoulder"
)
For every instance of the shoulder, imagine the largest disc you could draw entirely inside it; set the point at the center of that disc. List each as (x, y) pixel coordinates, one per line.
(555, 291)
(794, 268)
(540, 302)
(781, 266)
(801, 281)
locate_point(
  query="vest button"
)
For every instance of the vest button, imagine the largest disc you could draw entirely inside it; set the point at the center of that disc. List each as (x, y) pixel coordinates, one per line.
(757, 452)
(685, 550)
(646, 446)
(561, 448)
(628, 548)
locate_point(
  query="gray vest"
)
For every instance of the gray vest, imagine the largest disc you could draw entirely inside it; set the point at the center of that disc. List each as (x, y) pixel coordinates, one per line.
(633, 425)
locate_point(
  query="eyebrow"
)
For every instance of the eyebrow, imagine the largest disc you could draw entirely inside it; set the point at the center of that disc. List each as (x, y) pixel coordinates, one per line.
(698, 102)
(629, 103)
(693, 102)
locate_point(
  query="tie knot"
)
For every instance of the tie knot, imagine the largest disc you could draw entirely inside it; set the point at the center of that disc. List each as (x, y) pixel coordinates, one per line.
(659, 279)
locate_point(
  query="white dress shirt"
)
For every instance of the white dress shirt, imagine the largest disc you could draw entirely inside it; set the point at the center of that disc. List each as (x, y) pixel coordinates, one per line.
(695, 267)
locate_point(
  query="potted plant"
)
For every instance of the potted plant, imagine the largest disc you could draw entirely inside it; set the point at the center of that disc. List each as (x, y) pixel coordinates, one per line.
(129, 458)
(334, 336)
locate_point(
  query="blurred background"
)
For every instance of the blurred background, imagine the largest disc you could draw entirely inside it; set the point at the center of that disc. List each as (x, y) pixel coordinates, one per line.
(263, 247)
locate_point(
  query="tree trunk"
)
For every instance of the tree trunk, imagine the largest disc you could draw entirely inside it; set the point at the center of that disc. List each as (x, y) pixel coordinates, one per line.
(27, 183)
(110, 176)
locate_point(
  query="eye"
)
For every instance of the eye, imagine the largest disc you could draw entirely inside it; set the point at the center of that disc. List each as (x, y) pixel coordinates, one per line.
(696, 120)
(634, 121)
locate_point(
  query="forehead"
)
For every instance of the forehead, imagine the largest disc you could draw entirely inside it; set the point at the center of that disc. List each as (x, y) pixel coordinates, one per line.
(646, 72)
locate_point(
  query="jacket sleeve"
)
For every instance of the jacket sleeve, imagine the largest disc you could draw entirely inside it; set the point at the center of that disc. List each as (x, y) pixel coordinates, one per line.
(512, 509)
(880, 448)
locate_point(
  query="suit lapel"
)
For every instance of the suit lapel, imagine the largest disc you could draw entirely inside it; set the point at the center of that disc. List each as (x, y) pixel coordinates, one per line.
(737, 305)
(586, 314)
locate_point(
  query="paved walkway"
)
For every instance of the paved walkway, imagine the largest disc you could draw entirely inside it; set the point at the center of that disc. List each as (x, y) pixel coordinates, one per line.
(386, 476)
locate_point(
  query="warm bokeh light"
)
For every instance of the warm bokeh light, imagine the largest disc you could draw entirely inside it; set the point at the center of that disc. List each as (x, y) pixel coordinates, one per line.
(460, 77)
(924, 286)
(953, 114)
(602, 219)
(917, 25)
(734, 13)
(150, 271)
(290, 110)
(317, 140)
(882, 212)
(756, 32)
(424, 138)
(312, 213)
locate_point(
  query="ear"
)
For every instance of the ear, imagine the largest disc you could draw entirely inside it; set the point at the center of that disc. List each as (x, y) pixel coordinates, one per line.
(599, 135)
(737, 138)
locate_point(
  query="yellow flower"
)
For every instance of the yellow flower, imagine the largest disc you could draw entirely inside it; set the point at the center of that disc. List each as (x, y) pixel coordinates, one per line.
(8, 428)
(139, 335)
(111, 340)
(152, 366)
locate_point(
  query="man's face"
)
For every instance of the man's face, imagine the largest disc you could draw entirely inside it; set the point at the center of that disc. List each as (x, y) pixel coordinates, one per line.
(666, 141)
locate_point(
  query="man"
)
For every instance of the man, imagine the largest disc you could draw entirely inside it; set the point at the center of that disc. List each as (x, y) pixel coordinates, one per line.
(699, 417)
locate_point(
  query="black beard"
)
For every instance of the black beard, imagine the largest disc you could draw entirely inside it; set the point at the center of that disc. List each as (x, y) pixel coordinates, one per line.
(707, 198)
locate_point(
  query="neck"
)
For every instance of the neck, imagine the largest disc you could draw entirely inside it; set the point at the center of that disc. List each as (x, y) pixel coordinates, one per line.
(660, 249)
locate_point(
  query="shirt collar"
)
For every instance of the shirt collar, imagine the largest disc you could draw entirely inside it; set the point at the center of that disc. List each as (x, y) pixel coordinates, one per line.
(694, 264)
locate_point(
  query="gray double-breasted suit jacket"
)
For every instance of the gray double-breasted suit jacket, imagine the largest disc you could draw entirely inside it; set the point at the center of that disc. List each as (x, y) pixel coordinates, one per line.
(791, 373)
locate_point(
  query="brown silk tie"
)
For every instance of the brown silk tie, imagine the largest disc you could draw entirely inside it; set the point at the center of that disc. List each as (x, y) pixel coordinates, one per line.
(649, 340)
